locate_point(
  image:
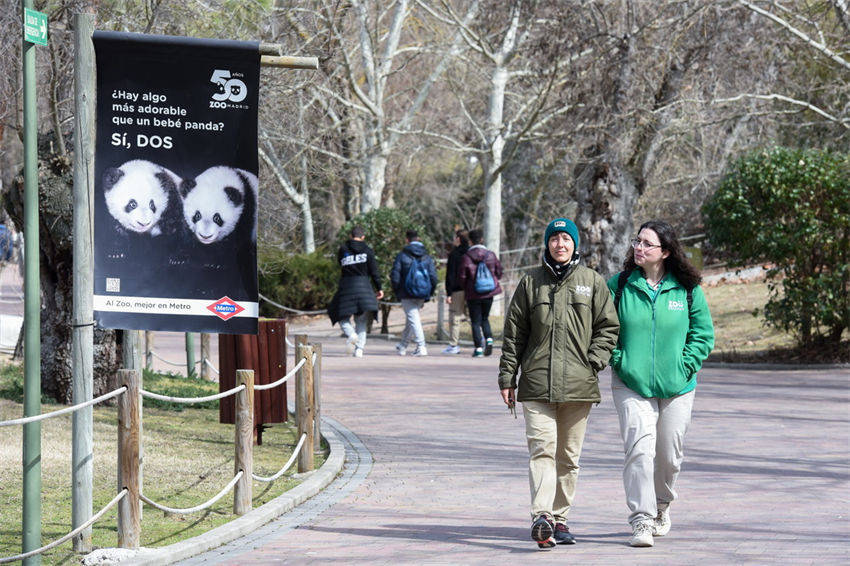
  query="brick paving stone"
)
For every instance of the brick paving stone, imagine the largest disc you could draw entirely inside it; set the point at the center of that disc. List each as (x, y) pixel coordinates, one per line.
(764, 481)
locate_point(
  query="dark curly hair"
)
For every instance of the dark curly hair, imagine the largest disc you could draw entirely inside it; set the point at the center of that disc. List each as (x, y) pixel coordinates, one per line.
(676, 262)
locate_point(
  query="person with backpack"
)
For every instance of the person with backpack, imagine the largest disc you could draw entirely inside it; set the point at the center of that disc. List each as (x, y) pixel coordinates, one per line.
(354, 296)
(560, 329)
(454, 290)
(479, 276)
(414, 280)
(665, 335)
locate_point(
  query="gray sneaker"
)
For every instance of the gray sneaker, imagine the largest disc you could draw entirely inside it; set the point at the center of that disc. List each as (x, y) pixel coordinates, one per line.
(401, 349)
(661, 525)
(642, 534)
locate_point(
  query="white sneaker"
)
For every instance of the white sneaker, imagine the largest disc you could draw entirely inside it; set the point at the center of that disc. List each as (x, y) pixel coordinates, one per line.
(350, 344)
(358, 352)
(401, 349)
(451, 349)
(661, 525)
(642, 534)
(420, 351)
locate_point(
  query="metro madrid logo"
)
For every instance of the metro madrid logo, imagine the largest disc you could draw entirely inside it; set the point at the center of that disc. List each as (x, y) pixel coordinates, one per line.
(225, 308)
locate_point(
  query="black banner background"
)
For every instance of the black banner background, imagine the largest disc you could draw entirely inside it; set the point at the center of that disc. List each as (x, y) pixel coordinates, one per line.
(170, 109)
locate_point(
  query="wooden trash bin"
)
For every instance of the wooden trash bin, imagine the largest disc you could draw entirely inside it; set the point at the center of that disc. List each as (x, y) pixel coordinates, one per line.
(264, 353)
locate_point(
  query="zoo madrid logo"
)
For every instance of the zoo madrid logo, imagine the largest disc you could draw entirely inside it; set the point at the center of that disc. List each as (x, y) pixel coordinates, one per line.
(231, 90)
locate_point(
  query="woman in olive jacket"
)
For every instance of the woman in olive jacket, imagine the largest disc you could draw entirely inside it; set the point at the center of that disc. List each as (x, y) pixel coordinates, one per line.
(665, 335)
(559, 331)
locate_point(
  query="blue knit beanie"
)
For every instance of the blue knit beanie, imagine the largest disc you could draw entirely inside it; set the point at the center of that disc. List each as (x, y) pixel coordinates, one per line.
(561, 225)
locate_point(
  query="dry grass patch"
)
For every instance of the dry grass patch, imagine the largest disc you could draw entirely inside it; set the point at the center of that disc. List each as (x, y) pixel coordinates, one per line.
(188, 457)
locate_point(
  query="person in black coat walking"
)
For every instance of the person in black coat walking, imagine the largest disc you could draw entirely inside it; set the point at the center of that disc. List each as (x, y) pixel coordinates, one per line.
(480, 301)
(454, 290)
(355, 296)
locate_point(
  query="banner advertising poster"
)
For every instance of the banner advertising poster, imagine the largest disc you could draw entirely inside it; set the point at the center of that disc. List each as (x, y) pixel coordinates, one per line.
(175, 211)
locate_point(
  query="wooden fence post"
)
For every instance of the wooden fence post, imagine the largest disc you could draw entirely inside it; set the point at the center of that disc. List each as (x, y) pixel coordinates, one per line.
(242, 494)
(317, 399)
(129, 437)
(205, 355)
(297, 341)
(304, 403)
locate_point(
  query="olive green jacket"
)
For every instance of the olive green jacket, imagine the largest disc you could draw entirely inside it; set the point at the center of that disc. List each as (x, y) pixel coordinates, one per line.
(560, 334)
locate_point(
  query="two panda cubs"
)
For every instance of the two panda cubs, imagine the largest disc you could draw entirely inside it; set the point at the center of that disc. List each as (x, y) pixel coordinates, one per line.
(201, 223)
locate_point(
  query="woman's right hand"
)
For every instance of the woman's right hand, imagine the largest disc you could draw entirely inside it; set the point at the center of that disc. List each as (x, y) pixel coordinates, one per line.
(509, 396)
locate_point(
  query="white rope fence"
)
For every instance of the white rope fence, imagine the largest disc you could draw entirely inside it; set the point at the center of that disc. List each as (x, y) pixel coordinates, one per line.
(190, 400)
(287, 309)
(212, 367)
(284, 378)
(160, 358)
(70, 535)
(286, 466)
(64, 411)
(202, 506)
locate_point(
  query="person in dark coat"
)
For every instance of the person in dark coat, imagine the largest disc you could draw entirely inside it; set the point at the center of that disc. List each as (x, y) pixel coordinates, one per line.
(454, 290)
(479, 303)
(355, 296)
(414, 250)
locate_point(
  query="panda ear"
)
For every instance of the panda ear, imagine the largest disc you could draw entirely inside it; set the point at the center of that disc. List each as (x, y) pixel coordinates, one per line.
(234, 195)
(187, 185)
(110, 177)
(165, 181)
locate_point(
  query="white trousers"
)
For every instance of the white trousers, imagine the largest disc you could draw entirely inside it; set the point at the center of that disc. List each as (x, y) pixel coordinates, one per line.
(653, 432)
(555, 434)
(357, 332)
(412, 324)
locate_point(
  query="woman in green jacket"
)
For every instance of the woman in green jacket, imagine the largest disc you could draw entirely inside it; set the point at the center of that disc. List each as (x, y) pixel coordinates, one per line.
(665, 334)
(560, 329)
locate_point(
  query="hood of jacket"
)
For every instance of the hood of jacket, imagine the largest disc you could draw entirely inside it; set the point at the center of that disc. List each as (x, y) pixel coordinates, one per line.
(357, 246)
(415, 248)
(477, 253)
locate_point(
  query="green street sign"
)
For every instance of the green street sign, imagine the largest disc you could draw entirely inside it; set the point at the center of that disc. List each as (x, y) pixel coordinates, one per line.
(35, 27)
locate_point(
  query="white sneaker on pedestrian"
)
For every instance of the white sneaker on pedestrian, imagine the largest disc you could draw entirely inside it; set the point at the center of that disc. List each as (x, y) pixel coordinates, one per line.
(358, 352)
(661, 525)
(401, 349)
(451, 349)
(420, 351)
(351, 344)
(642, 534)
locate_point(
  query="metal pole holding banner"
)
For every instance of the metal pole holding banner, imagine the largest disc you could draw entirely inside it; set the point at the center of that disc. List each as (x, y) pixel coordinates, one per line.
(82, 357)
(31, 516)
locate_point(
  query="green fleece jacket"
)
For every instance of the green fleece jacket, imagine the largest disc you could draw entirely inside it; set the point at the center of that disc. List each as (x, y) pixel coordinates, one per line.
(661, 345)
(560, 334)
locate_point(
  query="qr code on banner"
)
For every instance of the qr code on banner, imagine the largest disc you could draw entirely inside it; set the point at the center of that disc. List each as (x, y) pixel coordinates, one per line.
(113, 285)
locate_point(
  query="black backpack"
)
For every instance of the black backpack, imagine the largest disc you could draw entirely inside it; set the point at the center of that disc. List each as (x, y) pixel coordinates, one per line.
(621, 283)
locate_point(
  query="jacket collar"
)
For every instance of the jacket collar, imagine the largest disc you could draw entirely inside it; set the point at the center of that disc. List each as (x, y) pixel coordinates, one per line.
(550, 266)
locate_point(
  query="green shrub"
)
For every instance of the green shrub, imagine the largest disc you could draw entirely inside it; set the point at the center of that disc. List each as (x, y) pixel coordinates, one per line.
(385, 228)
(791, 207)
(300, 281)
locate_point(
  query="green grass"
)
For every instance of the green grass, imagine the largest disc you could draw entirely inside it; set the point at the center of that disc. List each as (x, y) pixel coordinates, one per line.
(188, 457)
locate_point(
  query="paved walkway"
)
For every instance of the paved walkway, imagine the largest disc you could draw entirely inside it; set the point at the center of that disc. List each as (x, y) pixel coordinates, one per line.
(766, 477)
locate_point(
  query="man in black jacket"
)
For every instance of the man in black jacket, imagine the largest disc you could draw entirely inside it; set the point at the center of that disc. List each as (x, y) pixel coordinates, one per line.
(454, 290)
(355, 295)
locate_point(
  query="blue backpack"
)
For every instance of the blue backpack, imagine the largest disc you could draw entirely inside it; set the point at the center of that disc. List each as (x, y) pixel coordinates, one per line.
(484, 282)
(417, 282)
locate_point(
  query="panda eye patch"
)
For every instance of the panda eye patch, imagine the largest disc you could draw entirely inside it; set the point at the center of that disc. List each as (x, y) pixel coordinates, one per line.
(131, 205)
(153, 206)
(196, 216)
(217, 219)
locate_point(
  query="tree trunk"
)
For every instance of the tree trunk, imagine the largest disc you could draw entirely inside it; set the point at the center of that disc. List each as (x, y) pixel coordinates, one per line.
(56, 262)
(374, 181)
(606, 194)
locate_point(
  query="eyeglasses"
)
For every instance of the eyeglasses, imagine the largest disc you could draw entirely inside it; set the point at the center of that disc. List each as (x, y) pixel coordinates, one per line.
(642, 244)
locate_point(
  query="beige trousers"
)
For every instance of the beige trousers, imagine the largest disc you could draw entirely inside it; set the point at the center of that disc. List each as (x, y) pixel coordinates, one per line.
(456, 309)
(555, 433)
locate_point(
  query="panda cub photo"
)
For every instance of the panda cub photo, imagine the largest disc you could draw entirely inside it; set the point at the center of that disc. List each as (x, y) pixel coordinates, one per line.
(191, 237)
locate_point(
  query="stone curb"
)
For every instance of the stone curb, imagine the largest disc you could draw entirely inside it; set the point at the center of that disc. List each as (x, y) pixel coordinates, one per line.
(249, 522)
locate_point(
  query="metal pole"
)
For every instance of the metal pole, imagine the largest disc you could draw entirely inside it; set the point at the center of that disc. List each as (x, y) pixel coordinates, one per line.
(190, 354)
(31, 516)
(82, 359)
